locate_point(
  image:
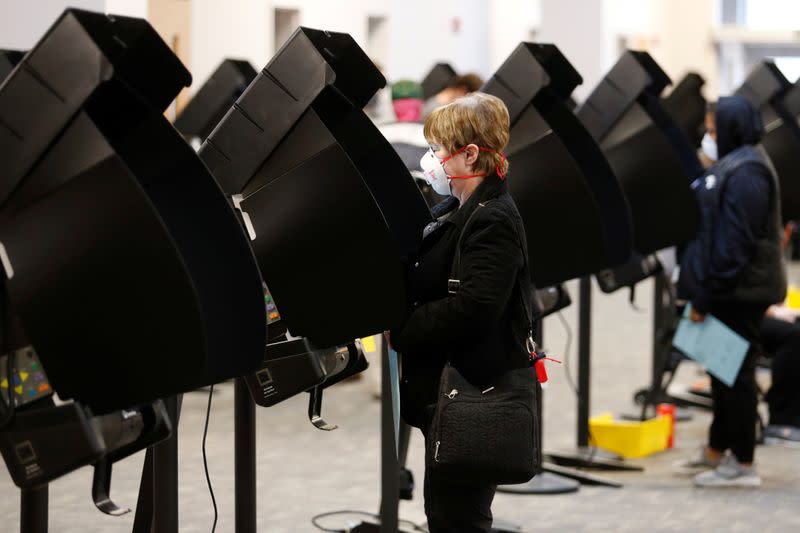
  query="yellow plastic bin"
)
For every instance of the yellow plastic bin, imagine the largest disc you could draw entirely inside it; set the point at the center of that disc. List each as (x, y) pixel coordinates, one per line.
(793, 297)
(630, 439)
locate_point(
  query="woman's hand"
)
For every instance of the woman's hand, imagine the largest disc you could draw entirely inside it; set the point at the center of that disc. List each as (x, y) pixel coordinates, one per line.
(696, 316)
(781, 312)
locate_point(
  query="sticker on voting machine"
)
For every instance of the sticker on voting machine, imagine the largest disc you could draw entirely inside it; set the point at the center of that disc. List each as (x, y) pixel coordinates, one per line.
(712, 344)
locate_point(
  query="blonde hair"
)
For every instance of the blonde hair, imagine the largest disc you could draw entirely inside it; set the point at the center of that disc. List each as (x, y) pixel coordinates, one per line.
(477, 118)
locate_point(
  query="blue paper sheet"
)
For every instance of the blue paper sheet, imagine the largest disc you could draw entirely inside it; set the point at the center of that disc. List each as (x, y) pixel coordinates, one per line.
(712, 344)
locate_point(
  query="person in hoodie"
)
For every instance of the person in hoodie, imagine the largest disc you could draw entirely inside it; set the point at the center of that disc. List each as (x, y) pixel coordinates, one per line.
(780, 337)
(734, 270)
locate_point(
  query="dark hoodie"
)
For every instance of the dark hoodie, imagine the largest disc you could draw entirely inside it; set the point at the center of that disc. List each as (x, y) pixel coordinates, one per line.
(741, 215)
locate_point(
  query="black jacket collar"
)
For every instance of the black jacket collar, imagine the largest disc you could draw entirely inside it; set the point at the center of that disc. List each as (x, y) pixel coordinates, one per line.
(490, 188)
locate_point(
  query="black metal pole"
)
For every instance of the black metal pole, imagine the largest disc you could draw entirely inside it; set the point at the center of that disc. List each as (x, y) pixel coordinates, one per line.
(405, 441)
(143, 520)
(659, 322)
(245, 457)
(165, 475)
(654, 395)
(33, 510)
(390, 469)
(584, 358)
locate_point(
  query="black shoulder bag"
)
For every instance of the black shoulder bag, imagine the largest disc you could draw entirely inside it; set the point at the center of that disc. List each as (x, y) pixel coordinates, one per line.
(488, 434)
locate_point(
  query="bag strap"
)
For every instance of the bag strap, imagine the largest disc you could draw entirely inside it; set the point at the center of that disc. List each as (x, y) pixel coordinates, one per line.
(455, 281)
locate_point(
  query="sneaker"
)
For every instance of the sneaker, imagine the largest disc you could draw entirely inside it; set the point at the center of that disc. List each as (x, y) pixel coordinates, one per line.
(788, 436)
(729, 473)
(695, 464)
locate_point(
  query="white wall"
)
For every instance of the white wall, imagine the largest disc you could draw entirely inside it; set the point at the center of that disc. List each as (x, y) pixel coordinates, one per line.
(581, 30)
(773, 14)
(245, 29)
(23, 22)
(510, 23)
(424, 32)
(129, 8)
(677, 33)
(349, 16)
(240, 29)
(420, 32)
(685, 30)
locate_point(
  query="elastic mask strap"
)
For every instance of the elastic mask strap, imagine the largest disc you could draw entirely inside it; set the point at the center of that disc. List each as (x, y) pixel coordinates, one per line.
(502, 175)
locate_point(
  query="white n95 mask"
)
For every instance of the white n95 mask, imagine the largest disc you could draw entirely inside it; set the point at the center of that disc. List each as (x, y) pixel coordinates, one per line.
(709, 147)
(434, 172)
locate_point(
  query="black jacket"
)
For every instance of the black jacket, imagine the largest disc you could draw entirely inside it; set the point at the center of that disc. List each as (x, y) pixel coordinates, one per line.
(736, 256)
(483, 327)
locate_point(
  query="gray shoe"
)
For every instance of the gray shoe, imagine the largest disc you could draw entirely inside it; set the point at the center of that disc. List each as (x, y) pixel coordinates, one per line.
(693, 465)
(788, 436)
(729, 474)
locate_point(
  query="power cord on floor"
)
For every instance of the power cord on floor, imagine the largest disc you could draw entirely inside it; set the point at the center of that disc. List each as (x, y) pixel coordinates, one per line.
(315, 521)
(205, 459)
(571, 381)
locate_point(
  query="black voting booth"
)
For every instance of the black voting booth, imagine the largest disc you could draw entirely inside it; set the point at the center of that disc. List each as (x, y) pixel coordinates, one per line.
(8, 59)
(214, 98)
(437, 79)
(651, 157)
(655, 163)
(559, 176)
(781, 148)
(778, 101)
(560, 180)
(687, 107)
(317, 186)
(92, 171)
(317, 183)
(125, 266)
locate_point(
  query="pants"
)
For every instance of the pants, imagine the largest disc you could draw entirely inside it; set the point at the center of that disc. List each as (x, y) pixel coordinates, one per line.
(457, 508)
(781, 340)
(735, 415)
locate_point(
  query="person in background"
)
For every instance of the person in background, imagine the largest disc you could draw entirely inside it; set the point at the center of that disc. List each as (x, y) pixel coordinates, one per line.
(460, 86)
(407, 101)
(780, 336)
(733, 269)
(708, 146)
